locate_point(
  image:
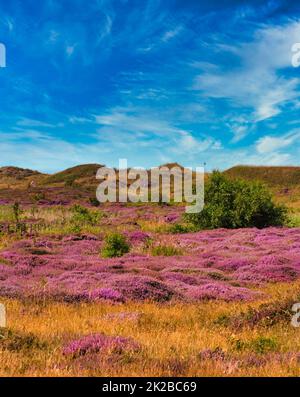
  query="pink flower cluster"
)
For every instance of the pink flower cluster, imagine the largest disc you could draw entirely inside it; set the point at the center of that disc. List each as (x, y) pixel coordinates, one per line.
(218, 264)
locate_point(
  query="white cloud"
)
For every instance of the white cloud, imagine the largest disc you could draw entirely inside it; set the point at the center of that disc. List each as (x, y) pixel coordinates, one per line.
(239, 132)
(142, 128)
(170, 34)
(37, 150)
(24, 122)
(79, 120)
(42, 152)
(53, 36)
(189, 145)
(9, 22)
(135, 121)
(257, 83)
(269, 144)
(70, 50)
(156, 42)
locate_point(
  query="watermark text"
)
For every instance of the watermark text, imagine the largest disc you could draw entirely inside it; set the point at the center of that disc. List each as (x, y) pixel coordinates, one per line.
(2, 56)
(296, 55)
(2, 316)
(160, 184)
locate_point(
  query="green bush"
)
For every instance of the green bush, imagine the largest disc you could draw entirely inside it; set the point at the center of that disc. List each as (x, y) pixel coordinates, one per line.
(263, 345)
(17, 212)
(260, 345)
(83, 216)
(237, 204)
(115, 245)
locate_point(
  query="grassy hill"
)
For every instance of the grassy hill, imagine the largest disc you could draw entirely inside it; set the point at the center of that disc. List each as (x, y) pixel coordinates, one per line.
(272, 176)
(74, 174)
(12, 177)
(16, 173)
(80, 182)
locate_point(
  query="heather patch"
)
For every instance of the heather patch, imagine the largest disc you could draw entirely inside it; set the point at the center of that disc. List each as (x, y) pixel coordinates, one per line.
(233, 362)
(144, 288)
(209, 267)
(99, 343)
(137, 237)
(107, 294)
(266, 315)
(220, 291)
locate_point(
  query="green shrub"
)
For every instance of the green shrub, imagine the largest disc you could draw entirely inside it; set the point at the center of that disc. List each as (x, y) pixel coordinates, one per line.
(83, 216)
(260, 345)
(17, 212)
(165, 250)
(293, 218)
(237, 204)
(263, 345)
(39, 196)
(19, 227)
(115, 245)
(76, 229)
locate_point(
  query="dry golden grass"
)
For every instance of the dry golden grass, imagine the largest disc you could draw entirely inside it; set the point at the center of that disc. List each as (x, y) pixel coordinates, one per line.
(171, 337)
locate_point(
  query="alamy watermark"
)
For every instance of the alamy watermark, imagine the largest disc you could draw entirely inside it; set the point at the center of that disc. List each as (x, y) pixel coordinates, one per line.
(296, 55)
(2, 56)
(139, 185)
(2, 316)
(295, 322)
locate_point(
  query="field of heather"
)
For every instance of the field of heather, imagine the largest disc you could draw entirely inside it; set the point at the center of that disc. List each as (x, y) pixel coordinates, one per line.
(179, 303)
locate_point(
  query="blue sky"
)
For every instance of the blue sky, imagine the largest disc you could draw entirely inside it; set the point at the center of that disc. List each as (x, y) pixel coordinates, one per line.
(151, 81)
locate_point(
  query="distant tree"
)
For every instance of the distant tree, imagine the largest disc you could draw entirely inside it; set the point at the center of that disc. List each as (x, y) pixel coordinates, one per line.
(236, 204)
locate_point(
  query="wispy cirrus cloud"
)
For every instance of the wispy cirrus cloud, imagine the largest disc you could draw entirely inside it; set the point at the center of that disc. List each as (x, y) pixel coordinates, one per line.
(269, 144)
(256, 78)
(24, 122)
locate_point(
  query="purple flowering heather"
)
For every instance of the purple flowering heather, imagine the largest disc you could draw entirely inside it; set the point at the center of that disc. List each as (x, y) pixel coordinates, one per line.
(99, 343)
(171, 218)
(106, 294)
(216, 264)
(138, 237)
(220, 291)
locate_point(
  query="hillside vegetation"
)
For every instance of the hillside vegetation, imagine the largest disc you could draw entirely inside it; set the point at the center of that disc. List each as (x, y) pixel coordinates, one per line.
(74, 174)
(80, 181)
(272, 176)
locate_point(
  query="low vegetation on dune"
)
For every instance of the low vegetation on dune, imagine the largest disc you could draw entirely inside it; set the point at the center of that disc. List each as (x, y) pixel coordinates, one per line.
(74, 174)
(142, 289)
(271, 176)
